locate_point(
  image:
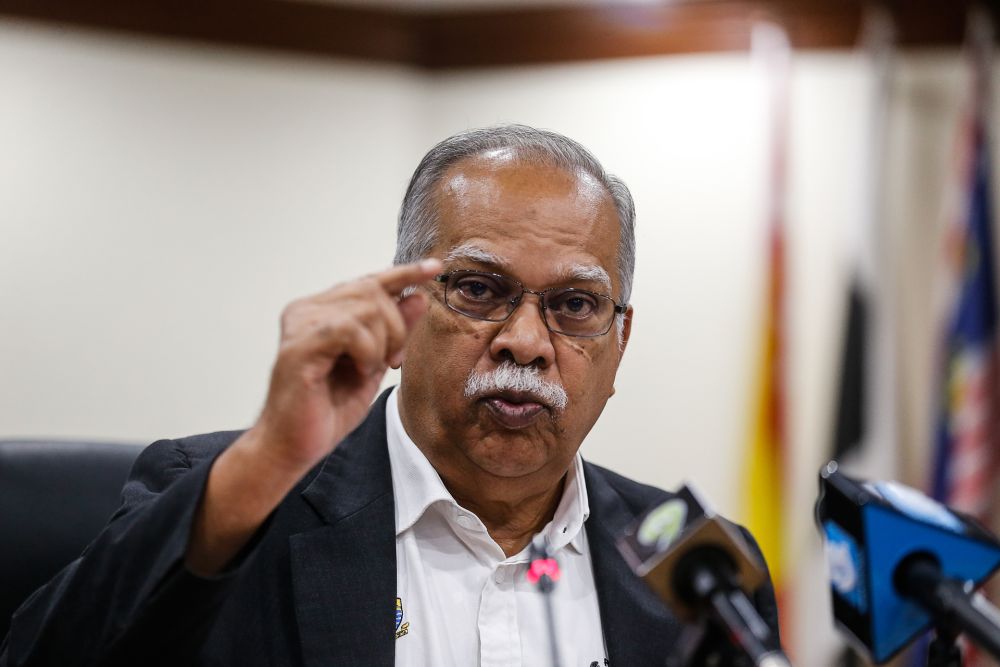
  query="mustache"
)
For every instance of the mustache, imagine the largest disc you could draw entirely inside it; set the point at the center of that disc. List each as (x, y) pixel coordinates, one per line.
(509, 376)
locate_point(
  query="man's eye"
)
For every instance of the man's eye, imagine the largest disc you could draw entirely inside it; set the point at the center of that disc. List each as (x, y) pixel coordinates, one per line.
(475, 288)
(574, 304)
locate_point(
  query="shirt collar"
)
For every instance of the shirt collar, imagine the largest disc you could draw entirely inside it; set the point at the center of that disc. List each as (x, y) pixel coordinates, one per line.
(566, 527)
(417, 486)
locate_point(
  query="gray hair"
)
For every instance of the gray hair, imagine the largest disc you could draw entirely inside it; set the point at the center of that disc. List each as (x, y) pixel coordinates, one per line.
(417, 230)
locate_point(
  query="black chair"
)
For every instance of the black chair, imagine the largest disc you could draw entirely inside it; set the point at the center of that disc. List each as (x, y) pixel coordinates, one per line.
(54, 499)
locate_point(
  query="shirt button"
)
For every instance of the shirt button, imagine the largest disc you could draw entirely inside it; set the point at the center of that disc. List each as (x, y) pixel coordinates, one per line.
(465, 521)
(498, 576)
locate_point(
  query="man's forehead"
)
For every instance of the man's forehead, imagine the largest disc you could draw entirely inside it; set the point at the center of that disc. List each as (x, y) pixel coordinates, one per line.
(533, 221)
(484, 190)
(489, 168)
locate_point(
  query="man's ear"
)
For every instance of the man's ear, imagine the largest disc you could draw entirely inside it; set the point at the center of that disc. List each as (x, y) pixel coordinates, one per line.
(626, 330)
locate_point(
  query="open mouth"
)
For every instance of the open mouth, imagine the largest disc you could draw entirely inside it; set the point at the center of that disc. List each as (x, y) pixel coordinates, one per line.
(514, 410)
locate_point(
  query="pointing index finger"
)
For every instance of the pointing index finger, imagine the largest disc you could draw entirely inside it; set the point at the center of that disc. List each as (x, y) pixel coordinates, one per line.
(398, 278)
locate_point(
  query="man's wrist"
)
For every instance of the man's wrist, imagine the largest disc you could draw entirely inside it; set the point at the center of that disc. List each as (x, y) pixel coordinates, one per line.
(244, 487)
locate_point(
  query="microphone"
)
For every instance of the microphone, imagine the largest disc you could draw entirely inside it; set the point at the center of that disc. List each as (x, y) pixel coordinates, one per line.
(704, 571)
(543, 572)
(901, 562)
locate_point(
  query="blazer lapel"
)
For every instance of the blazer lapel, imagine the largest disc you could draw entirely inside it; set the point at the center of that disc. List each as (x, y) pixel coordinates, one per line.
(344, 573)
(638, 628)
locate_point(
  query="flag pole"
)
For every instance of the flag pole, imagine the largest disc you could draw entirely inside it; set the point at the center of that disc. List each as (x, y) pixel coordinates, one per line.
(766, 484)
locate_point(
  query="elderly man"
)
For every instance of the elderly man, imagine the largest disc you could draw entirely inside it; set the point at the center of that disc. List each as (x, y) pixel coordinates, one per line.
(288, 543)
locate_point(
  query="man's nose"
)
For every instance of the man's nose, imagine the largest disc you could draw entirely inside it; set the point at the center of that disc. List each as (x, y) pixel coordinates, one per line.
(523, 337)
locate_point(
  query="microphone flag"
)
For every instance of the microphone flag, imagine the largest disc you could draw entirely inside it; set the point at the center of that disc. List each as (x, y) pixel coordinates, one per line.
(869, 530)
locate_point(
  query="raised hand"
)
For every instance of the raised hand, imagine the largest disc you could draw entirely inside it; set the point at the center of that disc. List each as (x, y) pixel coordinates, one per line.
(335, 349)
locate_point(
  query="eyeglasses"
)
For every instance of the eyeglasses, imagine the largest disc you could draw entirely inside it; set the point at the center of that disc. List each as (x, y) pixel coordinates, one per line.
(493, 297)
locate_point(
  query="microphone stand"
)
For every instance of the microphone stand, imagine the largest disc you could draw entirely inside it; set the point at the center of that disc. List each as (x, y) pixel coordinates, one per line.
(544, 573)
(943, 650)
(706, 580)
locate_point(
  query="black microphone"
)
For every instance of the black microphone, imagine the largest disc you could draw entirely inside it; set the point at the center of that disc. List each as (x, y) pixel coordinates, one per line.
(900, 563)
(703, 569)
(543, 572)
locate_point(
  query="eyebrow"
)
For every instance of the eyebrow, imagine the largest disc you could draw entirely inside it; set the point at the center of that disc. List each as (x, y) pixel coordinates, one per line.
(567, 272)
(473, 253)
(591, 272)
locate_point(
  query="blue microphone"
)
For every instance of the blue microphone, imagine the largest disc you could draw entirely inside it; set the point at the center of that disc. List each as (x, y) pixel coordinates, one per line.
(901, 563)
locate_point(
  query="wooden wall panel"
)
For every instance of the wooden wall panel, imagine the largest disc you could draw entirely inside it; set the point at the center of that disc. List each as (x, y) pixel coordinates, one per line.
(492, 37)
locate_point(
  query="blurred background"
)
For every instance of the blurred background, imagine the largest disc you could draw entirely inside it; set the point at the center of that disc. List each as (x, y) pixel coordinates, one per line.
(172, 174)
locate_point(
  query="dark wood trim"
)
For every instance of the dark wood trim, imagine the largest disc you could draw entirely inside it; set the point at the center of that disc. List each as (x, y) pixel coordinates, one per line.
(483, 38)
(307, 27)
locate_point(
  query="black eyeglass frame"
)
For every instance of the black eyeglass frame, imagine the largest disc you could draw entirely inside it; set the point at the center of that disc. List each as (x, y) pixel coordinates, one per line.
(443, 278)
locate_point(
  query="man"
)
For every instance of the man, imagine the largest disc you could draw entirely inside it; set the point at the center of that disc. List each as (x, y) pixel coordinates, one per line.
(287, 544)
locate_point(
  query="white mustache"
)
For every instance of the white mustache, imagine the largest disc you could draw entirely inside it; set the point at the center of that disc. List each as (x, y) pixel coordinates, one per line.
(509, 376)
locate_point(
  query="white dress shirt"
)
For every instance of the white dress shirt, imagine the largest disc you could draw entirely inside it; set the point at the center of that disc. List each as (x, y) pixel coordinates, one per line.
(460, 601)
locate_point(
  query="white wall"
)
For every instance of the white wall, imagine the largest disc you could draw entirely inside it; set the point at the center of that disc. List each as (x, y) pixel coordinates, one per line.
(160, 203)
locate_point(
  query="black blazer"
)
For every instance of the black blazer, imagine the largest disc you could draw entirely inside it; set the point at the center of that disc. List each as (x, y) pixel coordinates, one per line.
(316, 586)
